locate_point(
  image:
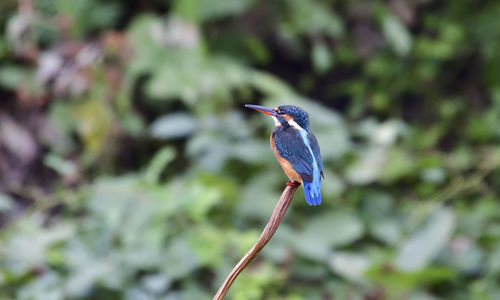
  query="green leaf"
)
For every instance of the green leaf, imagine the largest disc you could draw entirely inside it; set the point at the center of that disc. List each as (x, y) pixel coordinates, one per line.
(176, 125)
(327, 231)
(397, 35)
(387, 230)
(322, 58)
(424, 244)
(213, 9)
(349, 265)
(397, 284)
(156, 283)
(207, 245)
(312, 17)
(180, 259)
(270, 85)
(60, 165)
(13, 77)
(161, 158)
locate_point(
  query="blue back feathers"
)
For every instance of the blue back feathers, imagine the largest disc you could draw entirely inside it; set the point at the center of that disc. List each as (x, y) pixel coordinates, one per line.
(312, 189)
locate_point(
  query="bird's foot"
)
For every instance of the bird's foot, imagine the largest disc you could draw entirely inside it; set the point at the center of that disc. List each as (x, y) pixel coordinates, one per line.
(292, 183)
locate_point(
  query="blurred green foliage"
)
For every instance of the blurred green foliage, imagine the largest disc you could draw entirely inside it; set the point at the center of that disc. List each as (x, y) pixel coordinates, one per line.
(130, 170)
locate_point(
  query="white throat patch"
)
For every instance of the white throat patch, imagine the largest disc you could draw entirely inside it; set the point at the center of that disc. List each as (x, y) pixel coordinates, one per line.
(295, 125)
(276, 121)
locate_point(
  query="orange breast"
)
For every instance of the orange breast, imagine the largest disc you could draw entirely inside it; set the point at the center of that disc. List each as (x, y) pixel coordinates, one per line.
(285, 164)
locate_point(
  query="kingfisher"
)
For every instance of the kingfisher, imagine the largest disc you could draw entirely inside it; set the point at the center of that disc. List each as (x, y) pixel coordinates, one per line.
(296, 148)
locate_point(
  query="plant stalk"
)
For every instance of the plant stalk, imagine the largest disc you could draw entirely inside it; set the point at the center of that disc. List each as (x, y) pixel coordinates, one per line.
(266, 235)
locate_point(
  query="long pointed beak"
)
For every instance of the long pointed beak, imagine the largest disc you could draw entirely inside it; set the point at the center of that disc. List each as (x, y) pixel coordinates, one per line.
(262, 109)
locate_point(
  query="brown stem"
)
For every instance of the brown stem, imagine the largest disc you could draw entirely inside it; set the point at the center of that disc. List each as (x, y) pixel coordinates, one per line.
(266, 235)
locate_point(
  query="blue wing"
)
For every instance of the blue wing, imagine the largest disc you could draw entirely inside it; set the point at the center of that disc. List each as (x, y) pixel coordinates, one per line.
(317, 154)
(301, 149)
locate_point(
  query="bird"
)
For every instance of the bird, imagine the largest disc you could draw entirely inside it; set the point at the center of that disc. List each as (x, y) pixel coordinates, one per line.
(296, 148)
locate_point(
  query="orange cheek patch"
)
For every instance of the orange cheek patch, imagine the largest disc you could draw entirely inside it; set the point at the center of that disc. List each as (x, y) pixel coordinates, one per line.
(287, 117)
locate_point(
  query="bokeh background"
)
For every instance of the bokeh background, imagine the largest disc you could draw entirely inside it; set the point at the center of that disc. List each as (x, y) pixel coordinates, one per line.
(129, 168)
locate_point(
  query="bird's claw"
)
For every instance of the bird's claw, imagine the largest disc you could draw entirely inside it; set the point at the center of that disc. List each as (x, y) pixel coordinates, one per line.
(292, 183)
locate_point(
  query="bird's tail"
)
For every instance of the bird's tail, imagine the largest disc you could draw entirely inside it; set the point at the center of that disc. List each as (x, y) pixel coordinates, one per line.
(312, 192)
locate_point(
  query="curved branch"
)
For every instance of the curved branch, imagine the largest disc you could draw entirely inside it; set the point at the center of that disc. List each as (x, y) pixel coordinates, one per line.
(266, 235)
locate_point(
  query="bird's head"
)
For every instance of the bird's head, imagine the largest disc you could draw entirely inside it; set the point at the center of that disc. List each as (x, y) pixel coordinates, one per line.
(285, 115)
